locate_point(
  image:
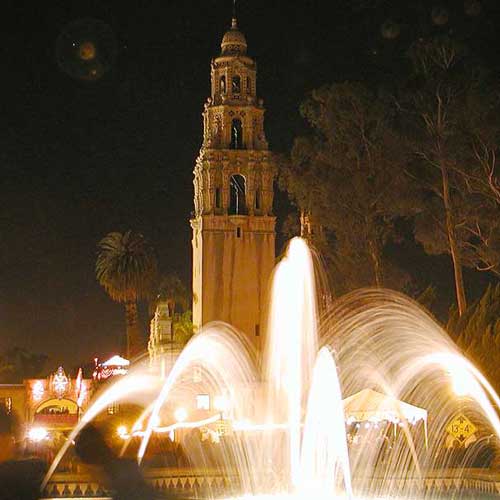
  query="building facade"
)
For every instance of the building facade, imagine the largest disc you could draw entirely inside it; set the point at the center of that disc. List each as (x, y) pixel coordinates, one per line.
(163, 345)
(233, 227)
(54, 403)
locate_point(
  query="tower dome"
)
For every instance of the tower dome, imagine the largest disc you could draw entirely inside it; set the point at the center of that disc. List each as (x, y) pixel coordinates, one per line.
(233, 41)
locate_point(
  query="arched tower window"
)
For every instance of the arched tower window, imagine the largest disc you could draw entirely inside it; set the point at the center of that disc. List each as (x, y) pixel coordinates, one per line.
(258, 201)
(236, 134)
(217, 198)
(249, 85)
(236, 84)
(237, 198)
(222, 84)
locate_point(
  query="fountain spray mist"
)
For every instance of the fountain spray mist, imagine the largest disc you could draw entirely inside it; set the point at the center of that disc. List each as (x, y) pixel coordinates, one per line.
(289, 435)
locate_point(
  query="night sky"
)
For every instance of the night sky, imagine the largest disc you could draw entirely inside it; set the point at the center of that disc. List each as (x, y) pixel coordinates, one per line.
(80, 157)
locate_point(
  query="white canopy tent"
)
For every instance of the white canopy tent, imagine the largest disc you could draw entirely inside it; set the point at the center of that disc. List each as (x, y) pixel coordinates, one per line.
(116, 361)
(372, 406)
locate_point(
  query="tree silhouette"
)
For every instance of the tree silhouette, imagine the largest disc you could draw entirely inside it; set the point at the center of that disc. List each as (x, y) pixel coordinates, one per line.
(348, 180)
(126, 267)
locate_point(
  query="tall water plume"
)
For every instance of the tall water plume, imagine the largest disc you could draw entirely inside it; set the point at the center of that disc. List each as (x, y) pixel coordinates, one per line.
(290, 351)
(324, 455)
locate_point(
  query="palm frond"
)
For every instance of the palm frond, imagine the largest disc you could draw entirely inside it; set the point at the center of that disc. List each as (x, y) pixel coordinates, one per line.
(126, 266)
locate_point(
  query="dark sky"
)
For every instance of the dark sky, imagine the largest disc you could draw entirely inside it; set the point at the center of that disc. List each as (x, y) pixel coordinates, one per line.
(81, 158)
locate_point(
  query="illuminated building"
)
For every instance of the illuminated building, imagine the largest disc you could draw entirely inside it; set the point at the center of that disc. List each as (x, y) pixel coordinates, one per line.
(54, 403)
(233, 227)
(163, 347)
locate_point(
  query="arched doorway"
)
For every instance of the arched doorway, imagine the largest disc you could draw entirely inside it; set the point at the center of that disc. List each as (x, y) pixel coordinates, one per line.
(61, 413)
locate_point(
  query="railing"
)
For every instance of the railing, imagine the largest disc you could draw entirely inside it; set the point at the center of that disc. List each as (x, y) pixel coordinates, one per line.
(162, 480)
(215, 483)
(66, 419)
(474, 480)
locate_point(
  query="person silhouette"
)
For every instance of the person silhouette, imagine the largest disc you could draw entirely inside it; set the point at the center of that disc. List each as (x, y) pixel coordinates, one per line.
(122, 476)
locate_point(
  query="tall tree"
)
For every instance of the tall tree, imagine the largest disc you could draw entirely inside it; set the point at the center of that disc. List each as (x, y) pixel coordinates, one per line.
(173, 291)
(481, 177)
(439, 100)
(347, 178)
(126, 267)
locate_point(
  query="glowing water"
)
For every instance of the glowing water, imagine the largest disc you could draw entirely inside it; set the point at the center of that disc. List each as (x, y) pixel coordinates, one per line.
(129, 389)
(289, 431)
(291, 349)
(386, 342)
(324, 445)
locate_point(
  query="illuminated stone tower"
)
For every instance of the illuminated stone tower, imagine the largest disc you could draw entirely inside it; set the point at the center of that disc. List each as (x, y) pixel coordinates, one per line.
(233, 226)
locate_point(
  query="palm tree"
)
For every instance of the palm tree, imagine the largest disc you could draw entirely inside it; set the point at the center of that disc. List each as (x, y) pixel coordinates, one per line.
(173, 291)
(126, 267)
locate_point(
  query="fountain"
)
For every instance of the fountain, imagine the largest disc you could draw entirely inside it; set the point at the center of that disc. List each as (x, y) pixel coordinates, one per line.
(289, 436)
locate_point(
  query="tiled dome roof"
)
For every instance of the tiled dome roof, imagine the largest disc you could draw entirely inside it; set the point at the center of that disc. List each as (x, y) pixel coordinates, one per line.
(234, 41)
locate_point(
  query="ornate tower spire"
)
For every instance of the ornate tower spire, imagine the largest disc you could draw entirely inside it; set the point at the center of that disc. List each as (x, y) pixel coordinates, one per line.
(234, 22)
(233, 228)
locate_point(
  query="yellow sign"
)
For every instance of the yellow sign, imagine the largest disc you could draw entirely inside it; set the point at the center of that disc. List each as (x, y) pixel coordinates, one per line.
(461, 428)
(223, 427)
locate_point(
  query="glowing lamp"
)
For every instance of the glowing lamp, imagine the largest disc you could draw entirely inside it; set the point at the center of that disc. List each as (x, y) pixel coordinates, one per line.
(122, 431)
(180, 415)
(37, 434)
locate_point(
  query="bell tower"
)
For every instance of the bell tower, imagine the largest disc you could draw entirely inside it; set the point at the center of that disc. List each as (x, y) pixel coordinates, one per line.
(233, 224)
